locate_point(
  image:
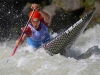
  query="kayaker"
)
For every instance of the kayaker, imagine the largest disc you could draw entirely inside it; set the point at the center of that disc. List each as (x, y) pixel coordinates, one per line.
(36, 32)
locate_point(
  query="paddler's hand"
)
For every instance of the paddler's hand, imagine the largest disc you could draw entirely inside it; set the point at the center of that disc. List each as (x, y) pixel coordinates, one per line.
(18, 42)
(35, 7)
(21, 40)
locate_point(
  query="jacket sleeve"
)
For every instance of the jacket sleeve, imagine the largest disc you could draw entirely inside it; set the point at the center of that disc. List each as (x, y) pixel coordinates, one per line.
(27, 31)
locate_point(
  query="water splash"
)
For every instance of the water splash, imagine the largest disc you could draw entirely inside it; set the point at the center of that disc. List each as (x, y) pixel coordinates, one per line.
(29, 62)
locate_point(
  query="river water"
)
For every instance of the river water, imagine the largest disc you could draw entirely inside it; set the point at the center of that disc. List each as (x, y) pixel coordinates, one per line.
(26, 61)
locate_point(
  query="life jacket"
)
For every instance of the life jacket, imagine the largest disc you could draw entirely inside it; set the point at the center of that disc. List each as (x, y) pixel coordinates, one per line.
(38, 37)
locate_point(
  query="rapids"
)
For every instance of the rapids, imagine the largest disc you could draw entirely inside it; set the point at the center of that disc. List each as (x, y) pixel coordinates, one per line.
(27, 61)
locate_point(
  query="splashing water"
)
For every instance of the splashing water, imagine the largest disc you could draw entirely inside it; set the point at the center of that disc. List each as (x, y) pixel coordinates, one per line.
(27, 61)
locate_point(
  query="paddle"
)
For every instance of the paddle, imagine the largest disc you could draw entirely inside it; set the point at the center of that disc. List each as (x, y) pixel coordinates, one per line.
(20, 39)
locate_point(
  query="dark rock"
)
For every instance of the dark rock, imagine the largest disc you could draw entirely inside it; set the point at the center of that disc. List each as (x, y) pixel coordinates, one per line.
(63, 20)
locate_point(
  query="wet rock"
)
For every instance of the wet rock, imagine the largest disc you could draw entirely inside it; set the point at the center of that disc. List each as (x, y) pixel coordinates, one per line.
(62, 20)
(93, 50)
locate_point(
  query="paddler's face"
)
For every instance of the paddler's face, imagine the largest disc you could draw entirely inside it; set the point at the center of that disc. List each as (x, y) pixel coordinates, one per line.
(35, 23)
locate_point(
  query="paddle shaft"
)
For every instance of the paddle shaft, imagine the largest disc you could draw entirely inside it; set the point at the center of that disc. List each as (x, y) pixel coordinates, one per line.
(20, 39)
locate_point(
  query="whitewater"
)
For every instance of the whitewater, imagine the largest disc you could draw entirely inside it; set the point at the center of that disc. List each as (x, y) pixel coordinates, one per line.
(27, 61)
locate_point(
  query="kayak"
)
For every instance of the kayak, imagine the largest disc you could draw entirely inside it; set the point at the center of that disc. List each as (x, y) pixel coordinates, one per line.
(68, 37)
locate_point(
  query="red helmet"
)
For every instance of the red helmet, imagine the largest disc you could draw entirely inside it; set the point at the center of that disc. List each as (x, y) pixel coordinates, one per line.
(35, 16)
